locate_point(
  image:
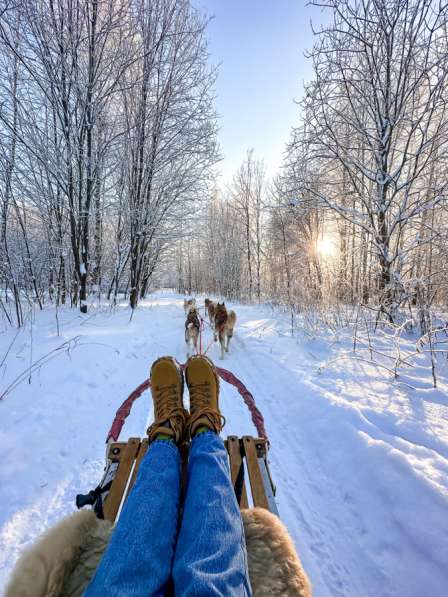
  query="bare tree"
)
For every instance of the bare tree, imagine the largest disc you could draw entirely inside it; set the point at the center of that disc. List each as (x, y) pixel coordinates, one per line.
(108, 127)
(375, 114)
(247, 200)
(171, 143)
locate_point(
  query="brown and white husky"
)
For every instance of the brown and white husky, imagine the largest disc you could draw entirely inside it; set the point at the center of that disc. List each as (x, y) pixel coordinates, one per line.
(192, 326)
(188, 303)
(224, 324)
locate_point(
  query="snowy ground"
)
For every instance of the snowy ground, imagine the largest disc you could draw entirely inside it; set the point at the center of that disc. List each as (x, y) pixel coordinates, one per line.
(360, 462)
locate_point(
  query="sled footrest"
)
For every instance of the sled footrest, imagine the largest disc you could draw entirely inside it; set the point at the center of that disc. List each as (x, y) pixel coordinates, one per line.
(245, 454)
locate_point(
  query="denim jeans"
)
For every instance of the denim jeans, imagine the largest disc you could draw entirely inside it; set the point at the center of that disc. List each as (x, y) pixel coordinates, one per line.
(207, 556)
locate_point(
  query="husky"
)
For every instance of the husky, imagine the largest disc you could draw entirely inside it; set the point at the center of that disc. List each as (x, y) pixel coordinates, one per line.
(211, 311)
(188, 303)
(192, 326)
(224, 324)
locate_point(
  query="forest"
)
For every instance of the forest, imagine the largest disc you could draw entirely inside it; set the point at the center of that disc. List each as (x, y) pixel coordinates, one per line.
(109, 156)
(290, 284)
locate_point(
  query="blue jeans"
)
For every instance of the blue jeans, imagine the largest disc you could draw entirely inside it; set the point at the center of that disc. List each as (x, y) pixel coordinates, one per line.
(207, 556)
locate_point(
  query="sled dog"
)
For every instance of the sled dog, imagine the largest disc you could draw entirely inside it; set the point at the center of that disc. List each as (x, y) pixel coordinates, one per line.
(188, 303)
(224, 325)
(192, 326)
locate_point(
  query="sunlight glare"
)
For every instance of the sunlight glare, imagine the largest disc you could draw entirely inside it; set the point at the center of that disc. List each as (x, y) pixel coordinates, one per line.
(326, 246)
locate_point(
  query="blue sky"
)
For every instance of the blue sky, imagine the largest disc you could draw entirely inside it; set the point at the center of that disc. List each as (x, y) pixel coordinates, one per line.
(260, 46)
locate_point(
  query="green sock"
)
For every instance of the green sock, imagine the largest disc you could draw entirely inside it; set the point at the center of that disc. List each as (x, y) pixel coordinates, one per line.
(202, 429)
(164, 436)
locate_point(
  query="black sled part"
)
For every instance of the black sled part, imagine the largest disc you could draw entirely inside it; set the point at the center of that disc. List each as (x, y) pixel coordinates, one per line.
(96, 497)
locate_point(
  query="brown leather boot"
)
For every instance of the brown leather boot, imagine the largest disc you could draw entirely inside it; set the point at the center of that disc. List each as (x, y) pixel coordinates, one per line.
(167, 387)
(203, 386)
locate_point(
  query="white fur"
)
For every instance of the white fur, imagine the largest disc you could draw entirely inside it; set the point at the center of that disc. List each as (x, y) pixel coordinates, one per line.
(63, 561)
(191, 338)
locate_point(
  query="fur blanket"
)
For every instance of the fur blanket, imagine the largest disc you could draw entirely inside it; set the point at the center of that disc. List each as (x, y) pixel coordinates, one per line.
(274, 566)
(63, 561)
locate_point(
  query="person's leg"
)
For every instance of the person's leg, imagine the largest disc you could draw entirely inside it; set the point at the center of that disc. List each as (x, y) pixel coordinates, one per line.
(210, 557)
(138, 559)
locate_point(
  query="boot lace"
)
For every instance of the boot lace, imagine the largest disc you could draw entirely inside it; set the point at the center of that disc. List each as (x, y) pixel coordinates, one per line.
(167, 400)
(167, 408)
(201, 398)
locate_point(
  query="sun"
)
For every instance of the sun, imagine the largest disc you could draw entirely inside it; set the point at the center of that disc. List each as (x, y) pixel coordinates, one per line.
(326, 246)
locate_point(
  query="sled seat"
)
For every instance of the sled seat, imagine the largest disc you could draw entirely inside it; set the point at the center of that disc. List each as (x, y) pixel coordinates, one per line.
(245, 454)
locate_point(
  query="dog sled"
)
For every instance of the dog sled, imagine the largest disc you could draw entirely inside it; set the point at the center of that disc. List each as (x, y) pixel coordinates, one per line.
(66, 556)
(247, 457)
(273, 564)
(248, 461)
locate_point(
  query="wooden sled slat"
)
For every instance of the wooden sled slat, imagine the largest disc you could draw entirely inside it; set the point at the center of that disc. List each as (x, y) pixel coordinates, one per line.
(256, 480)
(141, 452)
(237, 470)
(113, 500)
(253, 450)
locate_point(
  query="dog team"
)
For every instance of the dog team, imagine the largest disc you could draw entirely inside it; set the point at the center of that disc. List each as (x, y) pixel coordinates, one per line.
(221, 321)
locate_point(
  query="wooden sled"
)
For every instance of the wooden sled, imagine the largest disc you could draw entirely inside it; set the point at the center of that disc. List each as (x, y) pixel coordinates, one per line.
(245, 454)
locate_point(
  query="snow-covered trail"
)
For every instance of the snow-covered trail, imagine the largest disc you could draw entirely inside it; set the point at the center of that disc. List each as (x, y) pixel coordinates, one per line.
(348, 501)
(360, 466)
